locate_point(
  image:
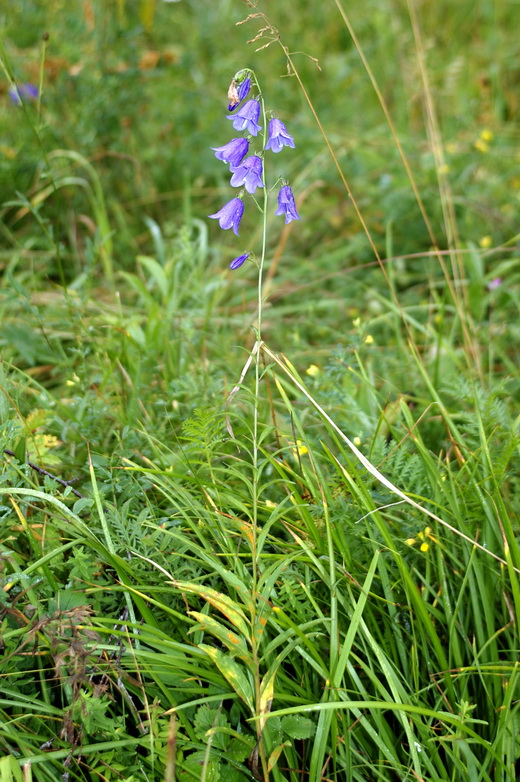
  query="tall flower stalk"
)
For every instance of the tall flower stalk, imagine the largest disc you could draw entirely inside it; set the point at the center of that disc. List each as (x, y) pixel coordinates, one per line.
(249, 172)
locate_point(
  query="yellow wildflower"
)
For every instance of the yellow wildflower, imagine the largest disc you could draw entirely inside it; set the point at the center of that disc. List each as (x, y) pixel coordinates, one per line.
(50, 441)
(300, 449)
(313, 370)
(422, 539)
(444, 169)
(357, 441)
(485, 241)
(356, 323)
(486, 135)
(9, 152)
(369, 339)
(481, 146)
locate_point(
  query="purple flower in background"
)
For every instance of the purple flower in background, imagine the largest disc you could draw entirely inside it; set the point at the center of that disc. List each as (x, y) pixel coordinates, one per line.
(248, 174)
(278, 136)
(494, 284)
(246, 118)
(237, 263)
(237, 96)
(21, 91)
(230, 215)
(286, 205)
(233, 152)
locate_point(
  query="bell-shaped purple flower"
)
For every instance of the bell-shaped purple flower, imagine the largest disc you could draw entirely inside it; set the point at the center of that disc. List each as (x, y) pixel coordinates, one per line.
(246, 117)
(286, 205)
(23, 91)
(230, 215)
(248, 174)
(278, 136)
(237, 263)
(238, 95)
(233, 152)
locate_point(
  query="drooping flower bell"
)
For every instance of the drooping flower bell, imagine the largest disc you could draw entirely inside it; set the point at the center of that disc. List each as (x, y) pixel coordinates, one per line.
(246, 117)
(233, 152)
(25, 91)
(286, 205)
(230, 215)
(237, 263)
(278, 136)
(248, 174)
(237, 95)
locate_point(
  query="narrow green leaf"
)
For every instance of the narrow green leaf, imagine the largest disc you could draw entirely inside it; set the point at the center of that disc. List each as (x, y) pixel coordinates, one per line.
(232, 672)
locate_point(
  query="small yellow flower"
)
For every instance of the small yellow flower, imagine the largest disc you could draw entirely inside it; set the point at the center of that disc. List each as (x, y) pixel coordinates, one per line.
(9, 152)
(481, 146)
(356, 323)
(421, 537)
(300, 449)
(313, 370)
(444, 169)
(485, 241)
(357, 441)
(270, 504)
(369, 339)
(486, 135)
(50, 441)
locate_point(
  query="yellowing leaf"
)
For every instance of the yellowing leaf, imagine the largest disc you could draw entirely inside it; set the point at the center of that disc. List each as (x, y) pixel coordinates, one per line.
(275, 755)
(223, 603)
(232, 672)
(266, 696)
(235, 643)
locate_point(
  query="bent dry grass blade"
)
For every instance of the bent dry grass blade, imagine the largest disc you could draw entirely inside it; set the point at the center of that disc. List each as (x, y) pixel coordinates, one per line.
(290, 372)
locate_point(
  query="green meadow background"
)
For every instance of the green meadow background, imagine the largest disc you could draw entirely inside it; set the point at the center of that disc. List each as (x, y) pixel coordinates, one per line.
(313, 577)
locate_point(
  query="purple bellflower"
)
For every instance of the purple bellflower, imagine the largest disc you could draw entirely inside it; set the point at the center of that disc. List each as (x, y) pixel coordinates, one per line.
(28, 91)
(236, 96)
(278, 136)
(246, 117)
(248, 174)
(233, 152)
(230, 215)
(286, 205)
(237, 263)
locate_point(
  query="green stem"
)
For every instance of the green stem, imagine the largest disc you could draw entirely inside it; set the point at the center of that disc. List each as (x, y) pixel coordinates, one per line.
(257, 352)
(256, 449)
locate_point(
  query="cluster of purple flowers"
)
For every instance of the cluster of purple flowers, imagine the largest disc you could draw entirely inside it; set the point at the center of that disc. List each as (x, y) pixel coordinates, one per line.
(247, 172)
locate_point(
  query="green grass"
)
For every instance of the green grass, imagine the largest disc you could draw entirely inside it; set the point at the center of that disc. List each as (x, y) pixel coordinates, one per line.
(321, 580)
